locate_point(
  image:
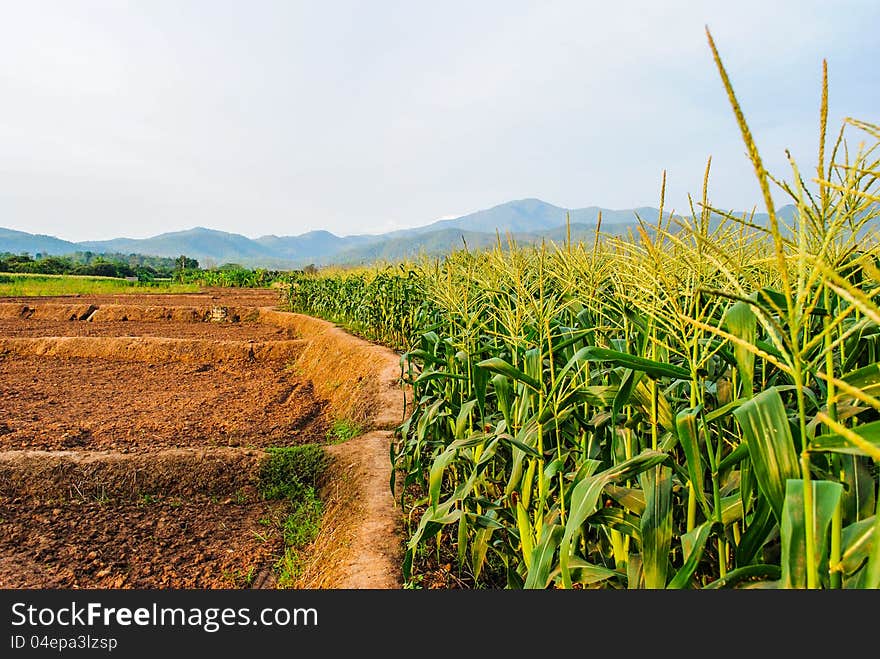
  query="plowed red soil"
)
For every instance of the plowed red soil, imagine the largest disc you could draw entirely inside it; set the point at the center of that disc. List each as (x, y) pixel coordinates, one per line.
(96, 404)
(144, 544)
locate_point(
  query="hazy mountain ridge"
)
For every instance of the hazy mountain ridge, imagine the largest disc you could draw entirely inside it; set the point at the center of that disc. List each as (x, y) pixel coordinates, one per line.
(525, 221)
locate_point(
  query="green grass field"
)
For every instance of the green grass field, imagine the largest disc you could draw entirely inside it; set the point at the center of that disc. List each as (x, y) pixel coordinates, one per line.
(28, 285)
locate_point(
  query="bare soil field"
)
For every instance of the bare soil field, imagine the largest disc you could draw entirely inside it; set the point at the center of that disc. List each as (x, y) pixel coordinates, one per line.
(196, 543)
(133, 429)
(80, 403)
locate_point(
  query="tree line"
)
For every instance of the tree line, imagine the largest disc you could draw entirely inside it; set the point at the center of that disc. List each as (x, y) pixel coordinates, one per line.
(145, 268)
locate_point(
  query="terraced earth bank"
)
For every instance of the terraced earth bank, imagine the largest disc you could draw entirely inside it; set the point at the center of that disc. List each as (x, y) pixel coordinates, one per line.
(133, 432)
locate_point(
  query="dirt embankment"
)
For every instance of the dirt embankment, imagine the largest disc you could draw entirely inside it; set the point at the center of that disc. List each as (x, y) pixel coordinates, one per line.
(64, 476)
(152, 349)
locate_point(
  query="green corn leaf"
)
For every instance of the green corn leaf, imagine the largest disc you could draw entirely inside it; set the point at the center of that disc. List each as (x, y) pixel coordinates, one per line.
(656, 525)
(826, 496)
(769, 348)
(542, 558)
(598, 395)
(498, 365)
(731, 509)
(520, 444)
(857, 544)
(750, 572)
(771, 447)
(642, 395)
(724, 410)
(504, 397)
(586, 573)
(629, 497)
(648, 366)
(487, 522)
(586, 494)
(479, 548)
(859, 500)
(627, 384)
(693, 544)
(741, 322)
(481, 380)
(634, 466)
(775, 302)
(577, 359)
(533, 365)
(733, 458)
(576, 337)
(858, 342)
(436, 477)
(584, 502)
(872, 571)
(867, 379)
(757, 533)
(433, 520)
(634, 571)
(688, 437)
(619, 520)
(429, 376)
(461, 422)
(834, 443)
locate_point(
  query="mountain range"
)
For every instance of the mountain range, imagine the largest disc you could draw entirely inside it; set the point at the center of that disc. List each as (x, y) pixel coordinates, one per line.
(524, 220)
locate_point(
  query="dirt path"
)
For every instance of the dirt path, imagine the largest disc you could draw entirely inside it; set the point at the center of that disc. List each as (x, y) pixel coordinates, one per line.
(375, 563)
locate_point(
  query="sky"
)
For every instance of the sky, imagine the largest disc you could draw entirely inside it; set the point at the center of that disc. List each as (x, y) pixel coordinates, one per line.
(263, 117)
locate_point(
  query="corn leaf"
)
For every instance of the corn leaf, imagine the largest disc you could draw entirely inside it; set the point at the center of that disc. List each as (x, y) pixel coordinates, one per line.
(741, 322)
(688, 437)
(826, 496)
(648, 366)
(771, 447)
(693, 544)
(656, 525)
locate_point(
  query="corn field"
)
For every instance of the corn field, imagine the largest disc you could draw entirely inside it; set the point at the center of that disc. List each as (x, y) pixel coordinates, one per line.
(694, 405)
(233, 278)
(386, 305)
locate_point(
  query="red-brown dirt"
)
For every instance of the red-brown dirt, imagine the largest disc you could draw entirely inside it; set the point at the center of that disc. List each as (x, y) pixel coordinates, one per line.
(193, 543)
(131, 462)
(93, 404)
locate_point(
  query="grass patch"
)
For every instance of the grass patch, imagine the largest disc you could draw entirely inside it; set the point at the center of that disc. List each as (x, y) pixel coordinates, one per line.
(341, 430)
(292, 473)
(240, 578)
(299, 530)
(30, 285)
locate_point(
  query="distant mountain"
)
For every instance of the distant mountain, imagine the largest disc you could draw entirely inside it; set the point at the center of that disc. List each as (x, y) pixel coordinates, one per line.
(17, 242)
(314, 245)
(525, 220)
(530, 216)
(198, 243)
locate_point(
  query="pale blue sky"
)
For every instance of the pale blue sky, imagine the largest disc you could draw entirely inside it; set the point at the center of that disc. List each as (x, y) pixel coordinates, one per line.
(259, 117)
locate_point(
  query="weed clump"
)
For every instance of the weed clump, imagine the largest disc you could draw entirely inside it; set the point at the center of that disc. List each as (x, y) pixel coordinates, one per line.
(290, 471)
